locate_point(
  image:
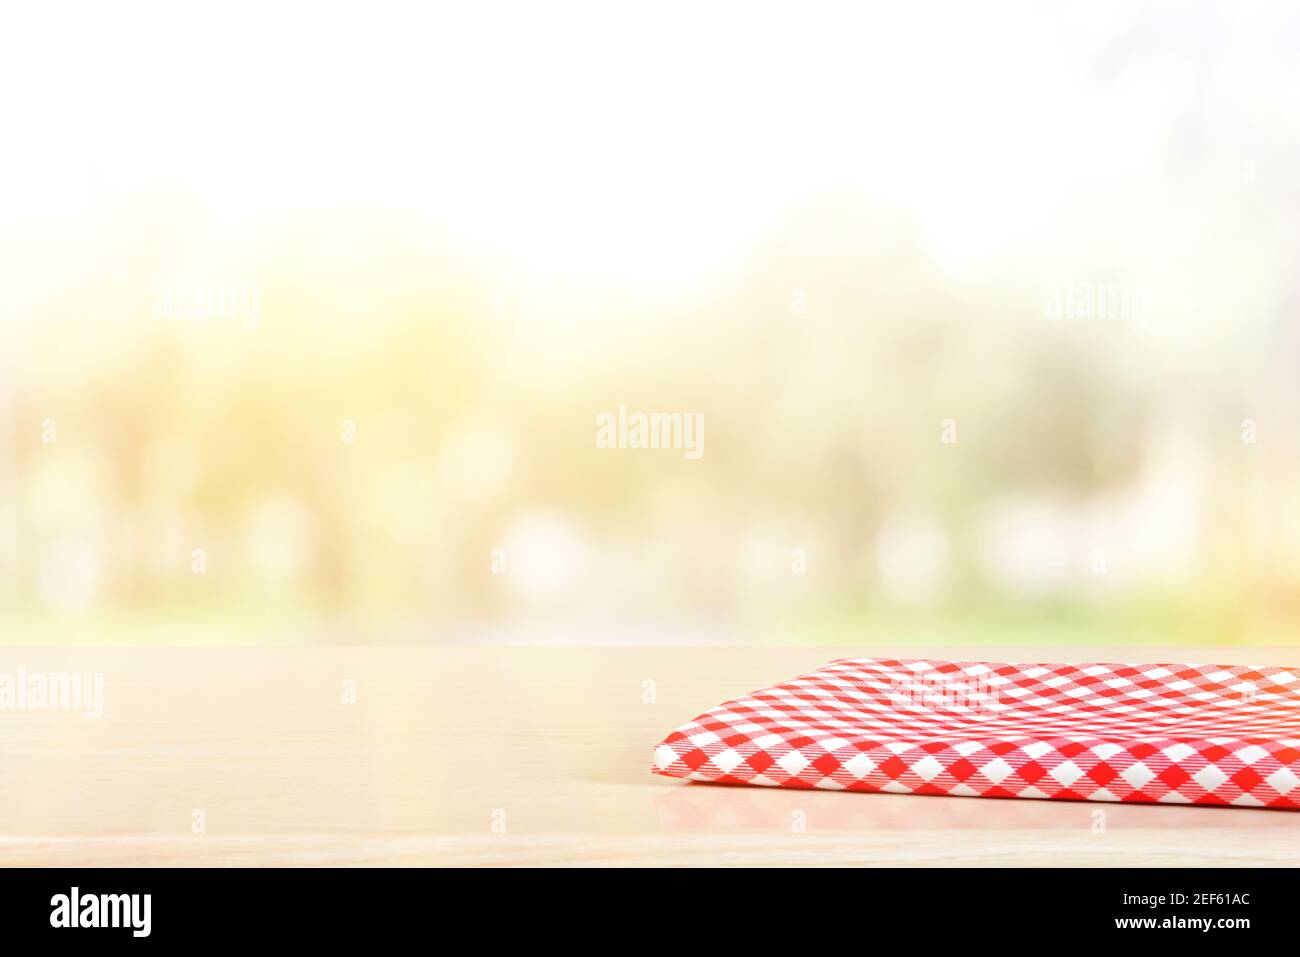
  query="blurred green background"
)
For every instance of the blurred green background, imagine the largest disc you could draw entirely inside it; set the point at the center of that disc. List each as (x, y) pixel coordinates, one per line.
(316, 355)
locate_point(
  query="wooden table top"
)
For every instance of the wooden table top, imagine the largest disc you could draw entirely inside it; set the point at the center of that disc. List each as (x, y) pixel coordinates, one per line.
(507, 755)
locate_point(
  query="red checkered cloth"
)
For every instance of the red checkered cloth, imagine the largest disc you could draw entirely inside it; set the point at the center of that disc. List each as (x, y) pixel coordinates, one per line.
(1168, 734)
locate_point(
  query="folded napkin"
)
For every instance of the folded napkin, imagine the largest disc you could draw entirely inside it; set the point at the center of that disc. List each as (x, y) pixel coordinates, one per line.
(1170, 734)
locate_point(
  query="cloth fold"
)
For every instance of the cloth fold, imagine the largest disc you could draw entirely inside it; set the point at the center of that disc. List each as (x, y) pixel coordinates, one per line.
(1154, 733)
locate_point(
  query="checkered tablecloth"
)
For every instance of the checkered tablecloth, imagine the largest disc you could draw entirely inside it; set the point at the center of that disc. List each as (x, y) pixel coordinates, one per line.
(1172, 734)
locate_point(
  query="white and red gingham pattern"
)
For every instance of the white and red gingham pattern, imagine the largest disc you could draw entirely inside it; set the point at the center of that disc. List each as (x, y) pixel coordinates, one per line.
(1172, 734)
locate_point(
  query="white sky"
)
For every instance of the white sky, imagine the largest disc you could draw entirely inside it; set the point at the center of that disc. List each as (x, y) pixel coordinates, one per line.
(618, 139)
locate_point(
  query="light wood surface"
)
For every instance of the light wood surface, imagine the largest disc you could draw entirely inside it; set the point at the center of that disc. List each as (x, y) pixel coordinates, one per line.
(507, 755)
